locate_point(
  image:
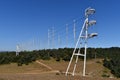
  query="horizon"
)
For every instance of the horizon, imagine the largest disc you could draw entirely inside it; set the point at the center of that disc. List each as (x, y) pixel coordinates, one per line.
(61, 48)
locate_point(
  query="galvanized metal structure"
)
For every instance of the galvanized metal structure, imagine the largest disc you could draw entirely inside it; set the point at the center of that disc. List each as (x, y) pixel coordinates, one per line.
(17, 50)
(83, 39)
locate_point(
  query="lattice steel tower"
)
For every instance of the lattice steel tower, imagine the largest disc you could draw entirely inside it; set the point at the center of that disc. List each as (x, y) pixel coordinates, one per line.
(17, 50)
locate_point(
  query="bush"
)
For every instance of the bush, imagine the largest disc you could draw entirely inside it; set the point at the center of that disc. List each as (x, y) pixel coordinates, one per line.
(66, 58)
(105, 75)
(19, 64)
(113, 65)
(58, 59)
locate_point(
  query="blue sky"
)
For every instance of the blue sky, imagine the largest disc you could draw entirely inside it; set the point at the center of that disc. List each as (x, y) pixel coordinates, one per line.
(22, 21)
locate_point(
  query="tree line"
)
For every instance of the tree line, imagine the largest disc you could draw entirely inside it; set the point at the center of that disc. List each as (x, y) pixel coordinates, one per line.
(111, 56)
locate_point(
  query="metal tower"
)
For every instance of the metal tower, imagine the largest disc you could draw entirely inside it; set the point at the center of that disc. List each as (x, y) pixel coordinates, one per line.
(48, 38)
(82, 40)
(17, 50)
(74, 31)
(66, 35)
(53, 35)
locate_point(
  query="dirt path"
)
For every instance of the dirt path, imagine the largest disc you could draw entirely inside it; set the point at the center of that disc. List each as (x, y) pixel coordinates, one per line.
(48, 67)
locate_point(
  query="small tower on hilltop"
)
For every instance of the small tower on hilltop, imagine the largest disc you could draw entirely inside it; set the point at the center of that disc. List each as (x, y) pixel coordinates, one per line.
(17, 50)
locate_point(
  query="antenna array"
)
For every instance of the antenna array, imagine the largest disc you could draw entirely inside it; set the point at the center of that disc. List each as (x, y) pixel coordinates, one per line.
(82, 40)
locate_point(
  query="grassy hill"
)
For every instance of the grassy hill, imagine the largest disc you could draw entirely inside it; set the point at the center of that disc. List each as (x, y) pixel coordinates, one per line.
(36, 71)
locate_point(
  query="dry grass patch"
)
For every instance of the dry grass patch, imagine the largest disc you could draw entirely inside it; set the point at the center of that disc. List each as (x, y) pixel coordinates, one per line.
(35, 71)
(13, 68)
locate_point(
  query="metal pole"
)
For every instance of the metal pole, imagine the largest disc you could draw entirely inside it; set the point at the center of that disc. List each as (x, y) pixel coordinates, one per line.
(58, 41)
(74, 31)
(76, 60)
(48, 38)
(75, 65)
(86, 36)
(66, 35)
(53, 37)
(17, 50)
